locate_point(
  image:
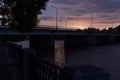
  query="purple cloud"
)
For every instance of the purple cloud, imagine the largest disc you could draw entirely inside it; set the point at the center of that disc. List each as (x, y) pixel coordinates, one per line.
(102, 10)
(89, 6)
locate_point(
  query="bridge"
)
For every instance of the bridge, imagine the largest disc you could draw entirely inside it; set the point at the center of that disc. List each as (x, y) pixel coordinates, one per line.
(43, 40)
(34, 68)
(71, 38)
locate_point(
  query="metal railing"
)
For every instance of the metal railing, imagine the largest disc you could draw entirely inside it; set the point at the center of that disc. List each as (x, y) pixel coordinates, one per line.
(38, 69)
(41, 70)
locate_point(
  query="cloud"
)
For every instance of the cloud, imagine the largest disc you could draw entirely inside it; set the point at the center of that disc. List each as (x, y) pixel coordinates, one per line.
(89, 6)
(103, 11)
(66, 2)
(46, 18)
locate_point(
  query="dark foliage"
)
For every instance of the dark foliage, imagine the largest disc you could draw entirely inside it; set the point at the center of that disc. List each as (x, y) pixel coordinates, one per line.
(22, 14)
(91, 29)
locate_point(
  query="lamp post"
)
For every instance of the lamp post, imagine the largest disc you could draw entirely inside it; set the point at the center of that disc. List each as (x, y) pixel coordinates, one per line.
(112, 22)
(92, 20)
(56, 17)
(67, 22)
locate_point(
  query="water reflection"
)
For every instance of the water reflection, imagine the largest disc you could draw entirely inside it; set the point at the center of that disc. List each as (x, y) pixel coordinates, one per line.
(59, 53)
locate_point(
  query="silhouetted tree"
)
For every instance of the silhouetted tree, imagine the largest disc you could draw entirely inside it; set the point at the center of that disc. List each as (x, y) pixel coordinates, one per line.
(117, 29)
(104, 30)
(3, 12)
(110, 29)
(92, 29)
(22, 14)
(3, 21)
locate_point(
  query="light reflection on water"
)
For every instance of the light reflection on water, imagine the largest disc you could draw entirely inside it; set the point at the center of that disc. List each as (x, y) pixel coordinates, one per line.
(59, 53)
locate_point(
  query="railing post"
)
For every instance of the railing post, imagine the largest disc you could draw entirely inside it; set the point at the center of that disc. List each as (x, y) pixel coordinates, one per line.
(25, 65)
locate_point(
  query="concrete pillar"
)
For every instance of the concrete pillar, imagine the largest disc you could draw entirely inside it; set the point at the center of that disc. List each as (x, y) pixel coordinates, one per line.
(59, 53)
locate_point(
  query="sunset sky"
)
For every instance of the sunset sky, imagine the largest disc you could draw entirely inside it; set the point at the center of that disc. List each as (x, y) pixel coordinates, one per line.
(81, 13)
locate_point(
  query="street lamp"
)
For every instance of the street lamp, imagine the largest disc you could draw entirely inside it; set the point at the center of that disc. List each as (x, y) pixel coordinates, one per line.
(112, 22)
(56, 17)
(67, 21)
(92, 20)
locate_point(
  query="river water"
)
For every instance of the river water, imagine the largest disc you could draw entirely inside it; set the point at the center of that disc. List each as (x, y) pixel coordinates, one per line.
(106, 57)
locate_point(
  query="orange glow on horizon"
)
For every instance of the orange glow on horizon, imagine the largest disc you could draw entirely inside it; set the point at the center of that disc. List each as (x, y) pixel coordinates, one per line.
(77, 24)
